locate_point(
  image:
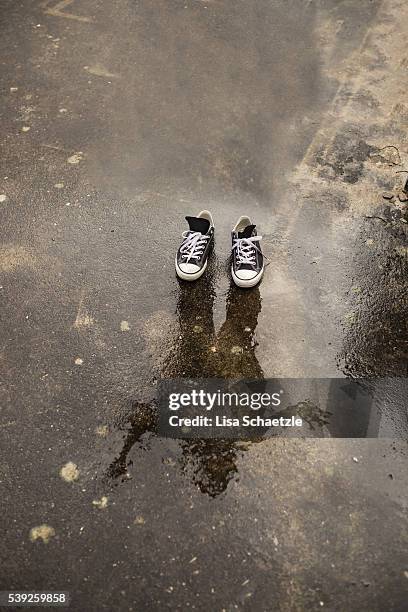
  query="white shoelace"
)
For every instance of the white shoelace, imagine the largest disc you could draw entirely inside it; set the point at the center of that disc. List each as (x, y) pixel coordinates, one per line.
(193, 245)
(246, 249)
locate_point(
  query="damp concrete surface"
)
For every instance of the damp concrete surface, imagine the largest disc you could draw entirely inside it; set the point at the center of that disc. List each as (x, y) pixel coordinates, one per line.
(118, 119)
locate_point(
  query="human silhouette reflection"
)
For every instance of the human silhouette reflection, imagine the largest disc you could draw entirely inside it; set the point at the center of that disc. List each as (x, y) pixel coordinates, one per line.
(189, 356)
(200, 352)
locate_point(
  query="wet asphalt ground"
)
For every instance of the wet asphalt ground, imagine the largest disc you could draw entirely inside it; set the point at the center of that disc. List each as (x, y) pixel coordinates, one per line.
(119, 118)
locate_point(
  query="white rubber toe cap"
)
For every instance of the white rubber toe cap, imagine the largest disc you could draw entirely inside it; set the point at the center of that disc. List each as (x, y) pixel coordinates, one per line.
(246, 278)
(245, 274)
(188, 268)
(189, 271)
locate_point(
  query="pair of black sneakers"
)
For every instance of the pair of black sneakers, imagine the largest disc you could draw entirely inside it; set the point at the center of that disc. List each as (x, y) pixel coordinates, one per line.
(247, 260)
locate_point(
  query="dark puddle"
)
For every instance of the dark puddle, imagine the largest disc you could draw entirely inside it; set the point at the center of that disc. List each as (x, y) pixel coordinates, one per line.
(201, 351)
(376, 341)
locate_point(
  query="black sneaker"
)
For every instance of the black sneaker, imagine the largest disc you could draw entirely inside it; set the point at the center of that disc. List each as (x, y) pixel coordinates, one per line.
(247, 259)
(192, 256)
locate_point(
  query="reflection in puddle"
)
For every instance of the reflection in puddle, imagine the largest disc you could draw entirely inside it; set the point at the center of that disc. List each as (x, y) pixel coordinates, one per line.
(200, 352)
(211, 464)
(141, 421)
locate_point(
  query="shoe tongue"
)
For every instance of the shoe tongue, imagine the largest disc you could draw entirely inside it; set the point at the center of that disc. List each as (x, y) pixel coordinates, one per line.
(247, 232)
(198, 224)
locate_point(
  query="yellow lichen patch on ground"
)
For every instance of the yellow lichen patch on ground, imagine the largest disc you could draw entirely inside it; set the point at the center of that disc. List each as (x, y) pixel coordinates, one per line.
(100, 503)
(237, 350)
(69, 472)
(42, 532)
(75, 158)
(102, 430)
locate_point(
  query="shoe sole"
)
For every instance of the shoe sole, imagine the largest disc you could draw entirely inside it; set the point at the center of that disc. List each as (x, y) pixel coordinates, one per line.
(247, 282)
(193, 276)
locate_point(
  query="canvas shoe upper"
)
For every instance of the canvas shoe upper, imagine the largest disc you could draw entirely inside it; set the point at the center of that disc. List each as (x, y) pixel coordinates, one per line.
(198, 240)
(247, 258)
